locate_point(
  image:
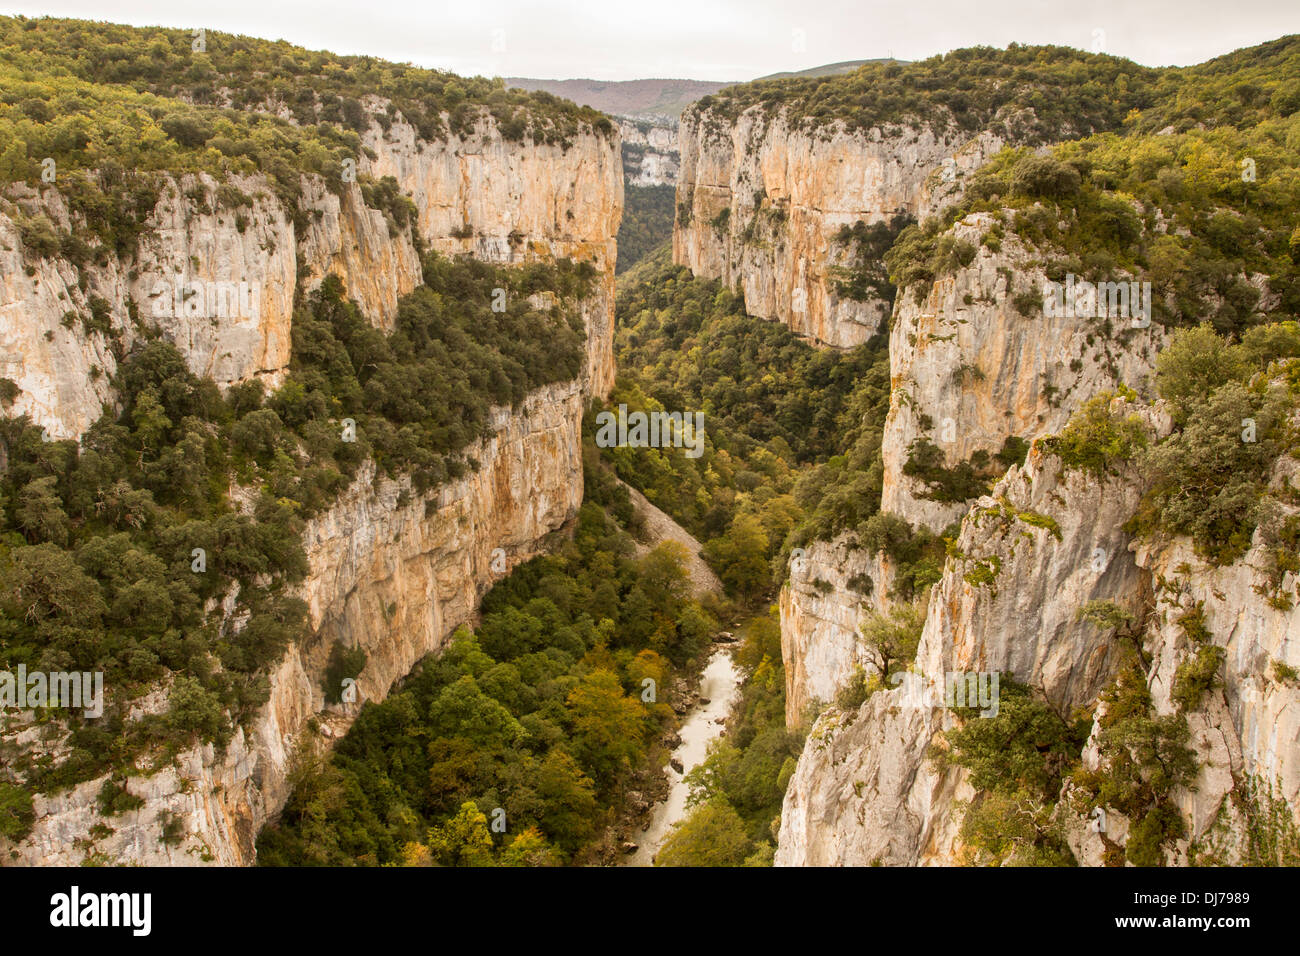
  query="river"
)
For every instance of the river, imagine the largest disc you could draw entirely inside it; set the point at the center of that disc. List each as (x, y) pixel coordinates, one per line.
(719, 685)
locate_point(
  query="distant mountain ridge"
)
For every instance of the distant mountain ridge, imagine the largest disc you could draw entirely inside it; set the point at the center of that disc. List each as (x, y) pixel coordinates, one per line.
(660, 99)
(829, 69)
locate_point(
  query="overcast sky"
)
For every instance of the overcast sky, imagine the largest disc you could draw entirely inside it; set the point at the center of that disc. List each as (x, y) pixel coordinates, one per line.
(705, 39)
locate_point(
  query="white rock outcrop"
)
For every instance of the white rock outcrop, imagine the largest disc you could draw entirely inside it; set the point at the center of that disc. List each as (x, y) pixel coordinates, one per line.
(392, 571)
(760, 201)
(832, 584)
(650, 156)
(864, 790)
(968, 369)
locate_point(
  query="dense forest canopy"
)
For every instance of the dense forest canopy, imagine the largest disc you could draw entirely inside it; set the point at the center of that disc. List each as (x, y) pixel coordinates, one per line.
(647, 222)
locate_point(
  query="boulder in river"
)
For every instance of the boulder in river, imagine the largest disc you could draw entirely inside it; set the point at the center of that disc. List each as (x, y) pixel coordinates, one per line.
(676, 765)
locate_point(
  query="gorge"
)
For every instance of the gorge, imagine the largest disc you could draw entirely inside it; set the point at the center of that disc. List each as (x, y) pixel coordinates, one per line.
(302, 446)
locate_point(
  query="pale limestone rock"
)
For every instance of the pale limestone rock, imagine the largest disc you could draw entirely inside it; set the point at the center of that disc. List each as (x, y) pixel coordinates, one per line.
(857, 799)
(820, 642)
(52, 364)
(794, 189)
(1025, 376)
(522, 202)
(1250, 726)
(384, 573)
(980, 371)
(863, 793)
(654, 160)
(193, 250)
(507, 203)
(222, 295)
(886, 798)
(385, 576)
(353, 241)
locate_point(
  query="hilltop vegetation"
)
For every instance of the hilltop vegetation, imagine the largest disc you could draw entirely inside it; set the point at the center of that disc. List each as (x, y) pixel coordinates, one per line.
(251, 74)
(1031, 94)
(1027, 94)
(1202, 215)
(115, 107)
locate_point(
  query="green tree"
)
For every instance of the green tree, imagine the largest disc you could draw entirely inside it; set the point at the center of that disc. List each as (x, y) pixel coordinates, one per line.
(570, 811)
(1193, 364)
(892, 638)
(463, 840)
(16, 812)
(740, 556)
(608, 726)
(713, 835)
(40, 512)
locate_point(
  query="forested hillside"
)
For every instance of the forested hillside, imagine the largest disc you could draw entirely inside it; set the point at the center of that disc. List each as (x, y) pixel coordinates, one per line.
(97, 538)
(168, 545)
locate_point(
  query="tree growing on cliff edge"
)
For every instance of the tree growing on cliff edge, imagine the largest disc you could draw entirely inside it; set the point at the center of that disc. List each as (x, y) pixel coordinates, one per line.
(892, 638)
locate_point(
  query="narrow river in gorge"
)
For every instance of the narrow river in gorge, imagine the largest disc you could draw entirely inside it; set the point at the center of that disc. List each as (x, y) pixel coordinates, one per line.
(719, 685)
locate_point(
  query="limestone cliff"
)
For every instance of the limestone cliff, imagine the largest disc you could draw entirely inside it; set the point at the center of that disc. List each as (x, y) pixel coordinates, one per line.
(392, 572)
(832, 584)
(346, 238)
(968, 371)
(1246, 730)
(217, 280)
(1046, 542)
(863, 790)
(650, 156)
(508, 204)
(760, 203)
(969, 368)
(217, 276)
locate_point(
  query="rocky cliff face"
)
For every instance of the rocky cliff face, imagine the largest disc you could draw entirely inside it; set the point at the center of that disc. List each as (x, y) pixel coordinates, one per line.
(218, 283)
(650, 156)
(760, 204)
(832, 584)
(1046, 542)
(391, 571)
(508, 204)
(969, 369)
(1246, 730)
(863, 790)
(346, 238)
(218, 279)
